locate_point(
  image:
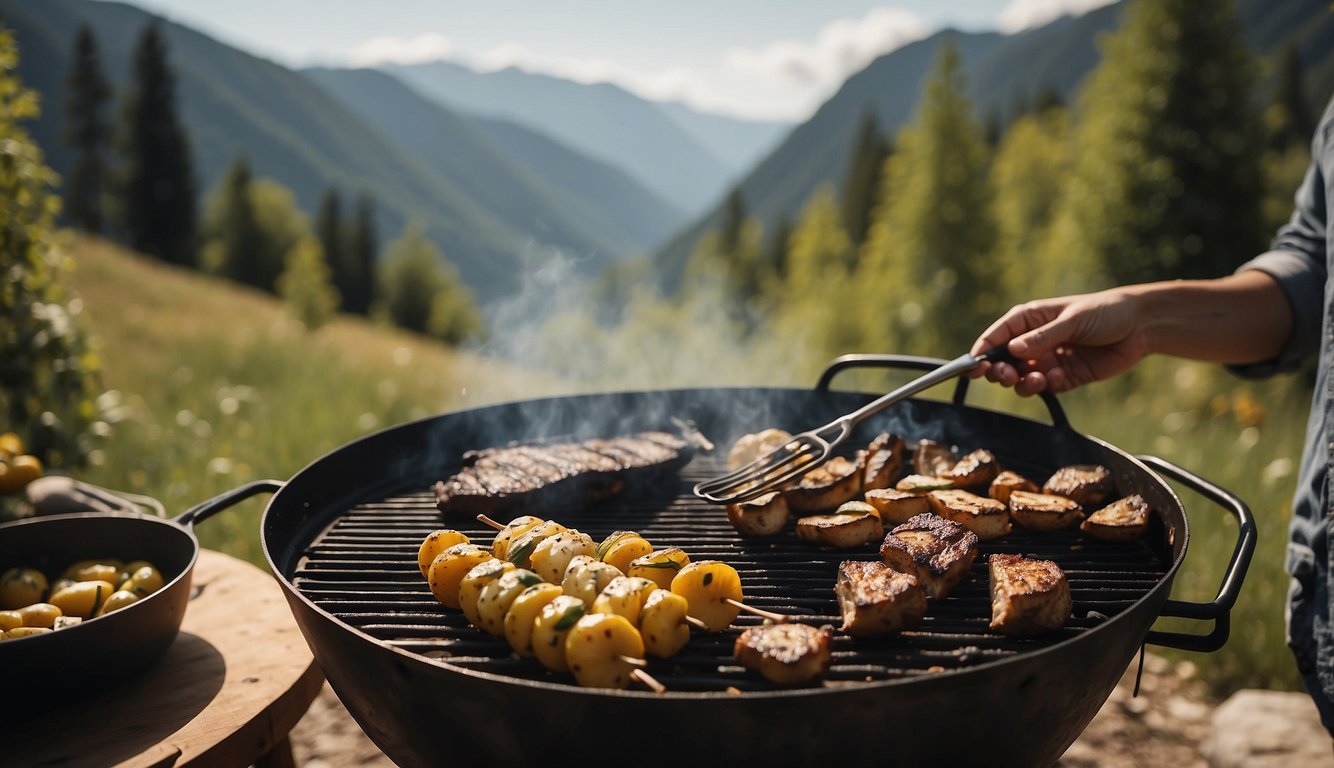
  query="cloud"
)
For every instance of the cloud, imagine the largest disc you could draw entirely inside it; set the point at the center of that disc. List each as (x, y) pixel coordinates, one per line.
(1024, 14)
(430, 46)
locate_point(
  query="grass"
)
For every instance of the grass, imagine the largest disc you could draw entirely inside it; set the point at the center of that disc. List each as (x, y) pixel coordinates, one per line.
(213, 385)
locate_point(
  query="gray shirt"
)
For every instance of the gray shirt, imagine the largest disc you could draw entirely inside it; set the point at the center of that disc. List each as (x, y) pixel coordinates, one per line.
(1300, 260)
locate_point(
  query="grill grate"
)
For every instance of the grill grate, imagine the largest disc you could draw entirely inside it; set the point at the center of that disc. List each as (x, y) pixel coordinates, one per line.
(363, 570)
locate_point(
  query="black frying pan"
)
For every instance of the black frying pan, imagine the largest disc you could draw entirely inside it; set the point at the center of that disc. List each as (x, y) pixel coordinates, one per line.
(99, 652)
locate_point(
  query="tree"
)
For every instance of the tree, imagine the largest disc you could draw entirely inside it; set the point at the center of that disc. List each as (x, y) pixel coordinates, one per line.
(1167, 179)
(862, 179)
(926, 276)
(250, 225)
(419, 291)
(48, 374)
(1289, 118)
(305, 284)
(156, 186)
(357, 281)
(331, 232)
(87, 133)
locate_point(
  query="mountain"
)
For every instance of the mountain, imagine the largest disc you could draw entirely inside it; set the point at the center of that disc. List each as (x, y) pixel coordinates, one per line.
(484, 210)
(600, 120)
(1001, 69)
(739, 143)
(571, 198)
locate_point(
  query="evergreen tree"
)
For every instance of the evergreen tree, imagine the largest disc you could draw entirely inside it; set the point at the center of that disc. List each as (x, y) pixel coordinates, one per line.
(358, 285)
(232, 247)
(420, 291)
(332, 232)
(305, 284)
(1048, 98)
(926, 262)
(1290, 119)
(734, 218)
(156, 188)
(48, 374)
(862, 180)
(87, 133)
(1167, 180)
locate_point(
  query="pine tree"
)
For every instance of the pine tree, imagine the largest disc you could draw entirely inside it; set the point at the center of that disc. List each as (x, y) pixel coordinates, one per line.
(734, 218)
(48, 373)
(330, 230)
(87, 133)
(359, 286)
(862, 180)
(1167, 180)
(234, 228)
(156, 188)
(420, 291)
(305, 284)
(927, 262)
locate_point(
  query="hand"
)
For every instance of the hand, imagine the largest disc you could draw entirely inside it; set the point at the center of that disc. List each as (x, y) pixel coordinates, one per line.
(1065, 342)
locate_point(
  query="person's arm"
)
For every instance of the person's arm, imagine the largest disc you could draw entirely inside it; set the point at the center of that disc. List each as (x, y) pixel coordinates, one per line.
(1075, 340)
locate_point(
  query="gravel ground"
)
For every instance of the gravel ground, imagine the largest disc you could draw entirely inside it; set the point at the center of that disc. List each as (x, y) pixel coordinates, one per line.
(1168, 724)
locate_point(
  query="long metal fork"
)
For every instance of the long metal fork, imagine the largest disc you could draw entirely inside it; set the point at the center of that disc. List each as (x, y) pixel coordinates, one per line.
(808, 450)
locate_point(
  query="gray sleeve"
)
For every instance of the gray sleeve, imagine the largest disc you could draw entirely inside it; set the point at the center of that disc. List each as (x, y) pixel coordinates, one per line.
(1297, 260)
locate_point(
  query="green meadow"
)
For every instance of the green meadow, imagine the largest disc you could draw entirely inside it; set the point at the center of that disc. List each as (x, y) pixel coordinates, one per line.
(210, 386)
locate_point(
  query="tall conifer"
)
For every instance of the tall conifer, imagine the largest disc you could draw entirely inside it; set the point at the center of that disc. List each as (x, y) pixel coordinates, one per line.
(156, 186)
(862, 180)
(359, 290)
(87, 133)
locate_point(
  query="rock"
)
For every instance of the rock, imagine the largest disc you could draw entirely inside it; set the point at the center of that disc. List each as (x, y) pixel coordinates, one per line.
(1264, 729)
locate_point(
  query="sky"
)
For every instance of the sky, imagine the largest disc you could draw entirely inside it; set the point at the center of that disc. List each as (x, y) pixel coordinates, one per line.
(755, 59)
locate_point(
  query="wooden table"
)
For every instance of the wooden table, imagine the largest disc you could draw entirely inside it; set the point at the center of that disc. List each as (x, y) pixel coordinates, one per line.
(230, 688)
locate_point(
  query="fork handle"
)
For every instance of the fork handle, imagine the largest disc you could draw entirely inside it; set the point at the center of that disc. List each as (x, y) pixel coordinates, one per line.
(959, 365)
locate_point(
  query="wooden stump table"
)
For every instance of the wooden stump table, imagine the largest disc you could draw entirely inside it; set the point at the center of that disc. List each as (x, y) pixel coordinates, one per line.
(227, 692)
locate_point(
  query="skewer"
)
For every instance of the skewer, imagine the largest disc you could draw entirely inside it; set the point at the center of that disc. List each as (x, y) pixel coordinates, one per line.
(488, 521)
(696, 623)
(648, 680)
(776, 618)
(634, 662)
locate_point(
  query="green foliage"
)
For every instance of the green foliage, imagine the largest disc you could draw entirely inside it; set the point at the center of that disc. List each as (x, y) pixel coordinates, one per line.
(250, 225)
(356, 278)
(48, 371)
(331, 233)
(1288, 120)
(155, 186)
(926, 266)
(87, 133)
(862, 181)
(1029, 172)
(305, 284)
(1167, 178)
(419, 291)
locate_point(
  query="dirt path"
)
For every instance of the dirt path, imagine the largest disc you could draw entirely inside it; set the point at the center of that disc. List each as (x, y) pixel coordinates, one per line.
(1166, 725)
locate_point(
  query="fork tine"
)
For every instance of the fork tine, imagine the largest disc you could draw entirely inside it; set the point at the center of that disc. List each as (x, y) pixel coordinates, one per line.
(763, 474)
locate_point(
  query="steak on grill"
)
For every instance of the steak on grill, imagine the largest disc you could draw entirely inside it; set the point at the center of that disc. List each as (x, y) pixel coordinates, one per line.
(497, 481)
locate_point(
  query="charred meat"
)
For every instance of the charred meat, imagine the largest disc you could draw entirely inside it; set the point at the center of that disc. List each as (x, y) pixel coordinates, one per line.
(827, 486)
(853, 524)
(496, 480)
(1044, 511)
(1027, 596)
(897, 506)
(937, 551)
(1122, 520)
(1087, 484)
(761, 516)
(932, 458)
(884, 461)
(1006, 483)
(982, 515)
(978, 468)
(875, 599)
(786, 654)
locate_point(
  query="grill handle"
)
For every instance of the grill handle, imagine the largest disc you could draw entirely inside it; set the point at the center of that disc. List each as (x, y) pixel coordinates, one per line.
(1218, 610)
(913, 362)
(207, 509)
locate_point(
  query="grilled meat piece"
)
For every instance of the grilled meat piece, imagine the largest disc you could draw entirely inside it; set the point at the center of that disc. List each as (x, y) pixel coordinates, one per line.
(897, 506)
(975, 469)
(1087, 484)
(986, 517)
(1027, 596)
(854, 523)
(752, 446)
(1006, 483)
(1122, 520)
(876, 599)
(825, 487)
(933, 459)
(884, 461)
(1044, 511)
(786, 654)
(496, 480)
(761, 516)
(923, 483)
(937, 551)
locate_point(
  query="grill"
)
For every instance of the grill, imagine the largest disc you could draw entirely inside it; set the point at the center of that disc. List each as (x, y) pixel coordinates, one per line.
(342, 536)
(363, 570)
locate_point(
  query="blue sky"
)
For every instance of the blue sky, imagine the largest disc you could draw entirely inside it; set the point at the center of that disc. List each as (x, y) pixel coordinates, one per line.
(765, 60)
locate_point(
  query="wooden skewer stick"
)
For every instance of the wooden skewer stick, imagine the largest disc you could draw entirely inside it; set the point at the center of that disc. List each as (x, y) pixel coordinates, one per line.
(696, 623)
(632, 661)
(648, 680)
(488, 521)
(777, 618)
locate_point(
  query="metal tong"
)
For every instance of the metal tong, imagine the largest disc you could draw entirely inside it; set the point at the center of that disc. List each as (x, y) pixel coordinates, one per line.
(808, 450)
